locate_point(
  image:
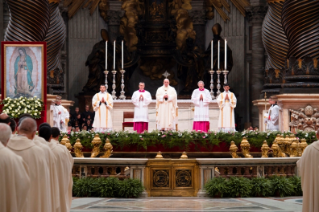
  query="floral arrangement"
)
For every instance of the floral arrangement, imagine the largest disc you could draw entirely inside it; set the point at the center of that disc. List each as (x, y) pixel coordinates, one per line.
(18, 106)
(181, 139)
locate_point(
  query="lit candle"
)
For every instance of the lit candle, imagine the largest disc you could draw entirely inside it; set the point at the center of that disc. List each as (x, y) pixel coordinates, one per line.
(218, 62)
(105, 55)
(122, 55)
(114, 55)
(212, 55)
(225, 54)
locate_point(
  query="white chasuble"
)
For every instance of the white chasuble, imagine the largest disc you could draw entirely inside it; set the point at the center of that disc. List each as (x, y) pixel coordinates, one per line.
(308, 166)
(166, 110)
(103, 117)
(141, 105)
(51, 163)
(14, 181)
(201, 112)
(39, 196)
(64, 170)
(60, 117)
(272, 118)
(226, 121)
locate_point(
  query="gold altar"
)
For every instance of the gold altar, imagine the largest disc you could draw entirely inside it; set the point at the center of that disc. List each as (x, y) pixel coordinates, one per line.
(172, 177)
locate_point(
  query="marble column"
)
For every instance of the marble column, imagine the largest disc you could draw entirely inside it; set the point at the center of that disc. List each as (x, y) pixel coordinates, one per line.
(256, 15)
(114, 19)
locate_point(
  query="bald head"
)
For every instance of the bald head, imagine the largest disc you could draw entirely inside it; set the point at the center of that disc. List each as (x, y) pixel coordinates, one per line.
(5, 133)
(28, 127)
(166, 82)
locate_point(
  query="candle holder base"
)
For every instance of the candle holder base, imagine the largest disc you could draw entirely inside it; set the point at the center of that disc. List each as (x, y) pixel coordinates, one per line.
(218, 81)
(225, 72)
(106, 72)
(211, 72)
(122, 96)
(114, 86)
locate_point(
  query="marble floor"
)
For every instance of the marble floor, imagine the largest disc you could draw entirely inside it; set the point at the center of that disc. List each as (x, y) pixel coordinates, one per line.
(189, 204)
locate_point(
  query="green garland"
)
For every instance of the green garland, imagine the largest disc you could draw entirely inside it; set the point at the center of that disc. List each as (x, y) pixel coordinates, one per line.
(180, 139)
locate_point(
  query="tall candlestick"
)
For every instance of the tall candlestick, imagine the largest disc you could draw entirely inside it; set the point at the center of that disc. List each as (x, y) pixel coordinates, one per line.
(225, 54)
(212, 55)
(122, 55)
(218, 62)
(105, 55)
(114, 55)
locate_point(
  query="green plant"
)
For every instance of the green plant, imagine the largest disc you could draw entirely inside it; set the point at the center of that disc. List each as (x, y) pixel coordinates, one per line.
(130, 188)
(86, 187)
(238, 187)
(261, 187)
(296, 181)
(109, 187)
(282, 186)
(216, 187)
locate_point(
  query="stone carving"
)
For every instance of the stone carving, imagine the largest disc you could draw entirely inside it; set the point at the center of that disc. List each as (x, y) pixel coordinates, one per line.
(183, 178)
(245, 147)
(114, 17)
(233, 150)
(198, 16)
(306, 119)
(265, 150)
(108, 149)
(96, 143)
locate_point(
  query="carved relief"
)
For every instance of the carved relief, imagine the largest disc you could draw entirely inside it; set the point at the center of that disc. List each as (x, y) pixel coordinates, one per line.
(161, 178)
(306, 119)
(183, 178)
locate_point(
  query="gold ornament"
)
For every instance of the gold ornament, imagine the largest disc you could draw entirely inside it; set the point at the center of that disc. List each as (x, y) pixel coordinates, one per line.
(108, 149)
(264, 150)
(245, 147)
(64, 140)
(294, 149)
(96, 143)
(302, 146)
(184, 156)
(276, 150)
(233, 150)
(68, 145)
(78, 149)
(159, 155)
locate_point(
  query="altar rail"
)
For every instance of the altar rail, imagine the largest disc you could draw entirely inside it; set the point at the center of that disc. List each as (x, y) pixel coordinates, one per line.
(209, 168)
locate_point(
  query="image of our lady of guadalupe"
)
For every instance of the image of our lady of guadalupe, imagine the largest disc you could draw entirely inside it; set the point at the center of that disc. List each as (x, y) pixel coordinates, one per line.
(23, 74)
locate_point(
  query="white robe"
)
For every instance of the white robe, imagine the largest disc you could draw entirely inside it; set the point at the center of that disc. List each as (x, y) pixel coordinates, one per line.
(64, 166)
(57, 118)
(103, 117)
(51, 163)
(201, 112)
(308, 166)
(14, 181)
(226, 121)
(39, 196)
(166, 111)
(141, 106)
(273, 123)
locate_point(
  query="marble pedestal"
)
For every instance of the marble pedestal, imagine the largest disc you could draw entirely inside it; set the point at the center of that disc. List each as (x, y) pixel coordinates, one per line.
(185, 114)
(286, 102)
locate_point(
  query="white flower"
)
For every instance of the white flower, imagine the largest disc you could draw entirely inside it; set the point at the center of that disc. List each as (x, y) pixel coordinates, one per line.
(35, 114)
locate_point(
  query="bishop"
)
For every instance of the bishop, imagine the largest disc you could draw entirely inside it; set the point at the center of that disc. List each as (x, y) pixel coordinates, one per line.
(60, 115)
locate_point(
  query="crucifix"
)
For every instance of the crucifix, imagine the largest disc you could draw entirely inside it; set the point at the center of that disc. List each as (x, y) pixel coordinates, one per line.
(166, 74)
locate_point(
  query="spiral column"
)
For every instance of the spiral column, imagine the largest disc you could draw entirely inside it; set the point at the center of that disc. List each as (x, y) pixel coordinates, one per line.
(29, 20)
(273, 35)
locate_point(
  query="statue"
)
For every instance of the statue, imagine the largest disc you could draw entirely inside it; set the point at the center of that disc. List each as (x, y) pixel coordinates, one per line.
(78, 149)
(96, 143)
(245, 147)
(233, 150)
(96, 64)
(108, 149)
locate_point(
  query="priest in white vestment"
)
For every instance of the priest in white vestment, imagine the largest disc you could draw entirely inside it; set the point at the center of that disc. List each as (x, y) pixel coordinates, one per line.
(201, 99)
(39, 196)
(141, 99)
(64, 165)
(227, 102)
(308, 167)
(102, 103)
(166, 107)
(60, 115)
(14, 176)
(272, 117)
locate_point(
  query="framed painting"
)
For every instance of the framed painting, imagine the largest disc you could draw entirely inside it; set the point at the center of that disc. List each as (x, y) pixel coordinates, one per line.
(24, 69)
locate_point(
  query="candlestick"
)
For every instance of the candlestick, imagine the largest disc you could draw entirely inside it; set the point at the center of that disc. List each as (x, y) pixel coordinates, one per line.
(225, 54)
(122, 44)
(105, 55)
(212, 54)
(218, 82)
(218, 62)
(212, 83)
(122, 96)
(114, 85)
(114, 45)
(105, 81)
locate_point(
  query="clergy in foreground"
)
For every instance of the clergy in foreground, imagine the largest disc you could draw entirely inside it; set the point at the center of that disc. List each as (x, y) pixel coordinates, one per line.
(60, 114)
(14, 176)
(272, 117)
(201, 99)
(39, 196)
(102, 103)
(141, 99)
(308, 167)
(64, 165)
(227, 102)
(166, 107)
